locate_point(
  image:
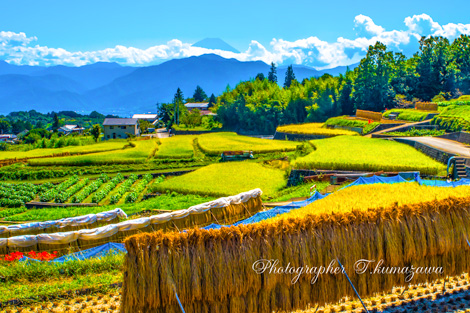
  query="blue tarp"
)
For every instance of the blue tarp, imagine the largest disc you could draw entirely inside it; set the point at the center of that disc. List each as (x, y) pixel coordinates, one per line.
(410, 177)
(377, 180)
(261, 216)
(443, 183)
(96, 252)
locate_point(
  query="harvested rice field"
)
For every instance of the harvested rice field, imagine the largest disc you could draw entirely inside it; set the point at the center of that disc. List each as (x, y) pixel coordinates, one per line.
(435, 296)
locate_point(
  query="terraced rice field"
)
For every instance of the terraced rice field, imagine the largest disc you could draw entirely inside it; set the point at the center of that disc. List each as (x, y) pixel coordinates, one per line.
(215, 144)
(135, 152)
(225, 179)
(35, 153)
(366, 154)
(176, 147)
(314, 129)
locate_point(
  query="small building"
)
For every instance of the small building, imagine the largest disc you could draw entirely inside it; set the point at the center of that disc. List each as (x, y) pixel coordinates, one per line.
(152, 118)
(69, 129)
(207, 112)
(9, 138)
(202, 106)
(115, 128)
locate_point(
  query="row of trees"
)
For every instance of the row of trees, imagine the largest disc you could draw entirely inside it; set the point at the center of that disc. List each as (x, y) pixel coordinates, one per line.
(17, 122)
(383, 79)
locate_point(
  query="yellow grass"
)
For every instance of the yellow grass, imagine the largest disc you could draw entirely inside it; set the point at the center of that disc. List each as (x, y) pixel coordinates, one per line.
(314, 129)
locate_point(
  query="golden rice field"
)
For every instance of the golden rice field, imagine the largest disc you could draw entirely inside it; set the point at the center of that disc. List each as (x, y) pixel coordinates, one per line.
(216, 143)
(314, 129)
(367, 154)
(375, 196)
(225, 179)
(94, 148)
(142, 150)
(176, 147)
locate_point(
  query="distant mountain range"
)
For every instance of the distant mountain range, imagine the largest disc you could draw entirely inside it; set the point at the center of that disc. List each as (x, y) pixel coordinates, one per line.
(110, 88)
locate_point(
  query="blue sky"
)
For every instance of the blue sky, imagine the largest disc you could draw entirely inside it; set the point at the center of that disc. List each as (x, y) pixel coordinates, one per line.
(315, 33)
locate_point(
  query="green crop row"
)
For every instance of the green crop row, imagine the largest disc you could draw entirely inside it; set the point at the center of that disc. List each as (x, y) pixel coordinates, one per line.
(88, 190)
(51, 194)
(135, 191)
(106, 189)
(125, 187)
(63, 196)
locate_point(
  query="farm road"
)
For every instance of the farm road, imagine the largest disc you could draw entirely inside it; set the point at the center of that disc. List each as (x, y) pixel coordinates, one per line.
(442, 144)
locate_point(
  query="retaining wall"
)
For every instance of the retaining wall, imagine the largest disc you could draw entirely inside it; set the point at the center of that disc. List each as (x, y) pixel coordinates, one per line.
(434, 153)
(296, 137)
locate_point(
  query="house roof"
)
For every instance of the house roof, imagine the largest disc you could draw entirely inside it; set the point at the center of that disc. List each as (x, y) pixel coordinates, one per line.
(71, 127)
(194, 105)
(145, 116)
(120, 121)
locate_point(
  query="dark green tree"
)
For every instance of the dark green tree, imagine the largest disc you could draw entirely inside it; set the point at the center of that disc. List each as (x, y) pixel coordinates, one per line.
(345, 95)
(432, 68)
(55, 122)
(290, 76)
(4, 126)
(372, 89)
(177, 102)
(166, 113)
(272, 77)
(260, 76)
(199, 94)
(95, 132)
(460, 49)
(212, 101)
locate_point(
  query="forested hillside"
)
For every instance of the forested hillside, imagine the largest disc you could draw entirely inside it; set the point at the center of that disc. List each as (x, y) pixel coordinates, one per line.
(439, 70)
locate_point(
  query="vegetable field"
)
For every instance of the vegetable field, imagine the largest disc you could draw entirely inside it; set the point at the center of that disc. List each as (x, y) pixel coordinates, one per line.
(16, 195)
(365, 154)
(225, 179)
(75, 190)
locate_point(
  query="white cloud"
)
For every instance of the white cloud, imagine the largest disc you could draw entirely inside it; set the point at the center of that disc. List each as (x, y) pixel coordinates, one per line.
(422, 25)
(18, 48)
(14, 39)
(364, 25)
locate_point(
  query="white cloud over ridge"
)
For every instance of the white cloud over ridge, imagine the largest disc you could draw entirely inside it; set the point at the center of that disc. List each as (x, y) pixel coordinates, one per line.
(17, 48)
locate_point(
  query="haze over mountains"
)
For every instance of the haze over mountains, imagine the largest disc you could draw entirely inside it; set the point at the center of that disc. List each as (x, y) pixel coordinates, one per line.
(110, 88)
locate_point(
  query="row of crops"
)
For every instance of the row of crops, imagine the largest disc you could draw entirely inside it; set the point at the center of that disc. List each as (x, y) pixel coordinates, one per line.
(76, 190)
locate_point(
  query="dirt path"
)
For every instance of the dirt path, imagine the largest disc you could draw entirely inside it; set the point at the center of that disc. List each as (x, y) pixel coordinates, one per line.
(442, 144)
